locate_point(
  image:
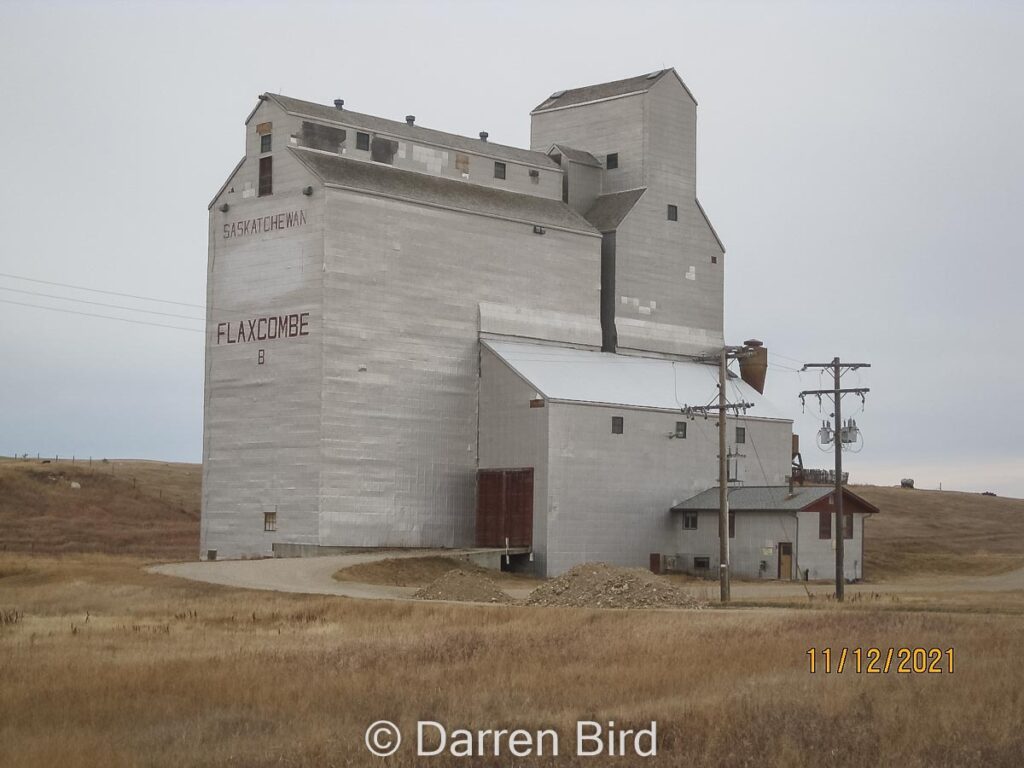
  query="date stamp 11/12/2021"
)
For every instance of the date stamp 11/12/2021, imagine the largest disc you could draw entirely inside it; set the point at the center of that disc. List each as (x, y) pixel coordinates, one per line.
(877, 661)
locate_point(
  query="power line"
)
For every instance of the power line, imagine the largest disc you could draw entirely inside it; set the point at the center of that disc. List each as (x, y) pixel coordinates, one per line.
(836, 393)
(99, 290)
(105, 317)
(101, 304)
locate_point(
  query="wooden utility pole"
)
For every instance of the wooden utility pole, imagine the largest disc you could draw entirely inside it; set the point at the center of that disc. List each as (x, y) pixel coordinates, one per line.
(723, 407)
(723, 483)
(840, 520)
(837, 399)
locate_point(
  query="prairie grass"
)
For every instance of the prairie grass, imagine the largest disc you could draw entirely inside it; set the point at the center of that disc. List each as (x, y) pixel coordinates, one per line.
(111, 665)
(127, 507)
(941, 532)
(102, 663)
(419, 571)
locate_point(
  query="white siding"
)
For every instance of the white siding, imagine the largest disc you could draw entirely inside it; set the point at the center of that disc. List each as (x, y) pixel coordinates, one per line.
(261, 440)
(402, 286)
(513, 435)
(610, 495)
(818, 556)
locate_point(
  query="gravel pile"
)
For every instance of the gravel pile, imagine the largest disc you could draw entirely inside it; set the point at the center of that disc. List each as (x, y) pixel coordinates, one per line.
(464, 586)
(599, 585)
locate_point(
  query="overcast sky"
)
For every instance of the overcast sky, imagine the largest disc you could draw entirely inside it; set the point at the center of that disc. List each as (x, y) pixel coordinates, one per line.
(863, 164)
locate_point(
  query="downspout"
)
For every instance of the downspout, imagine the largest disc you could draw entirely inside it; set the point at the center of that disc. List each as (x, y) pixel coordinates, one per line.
(609, 338)
(796, 548)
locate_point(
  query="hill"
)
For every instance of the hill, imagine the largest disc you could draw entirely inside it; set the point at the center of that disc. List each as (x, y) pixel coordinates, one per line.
(922, 532)
(143, 508)
(151, 509)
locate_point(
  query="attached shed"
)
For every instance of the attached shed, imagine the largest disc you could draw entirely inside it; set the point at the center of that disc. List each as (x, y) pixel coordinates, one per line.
(774, 533)
(606, 449)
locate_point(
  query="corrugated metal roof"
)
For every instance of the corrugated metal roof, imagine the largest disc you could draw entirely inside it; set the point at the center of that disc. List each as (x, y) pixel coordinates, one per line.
(373, 124)
(766, 498)
(578, 375)
(433, 190)
(573, 96)
(608, 211)
(747, 498)
(577, 155)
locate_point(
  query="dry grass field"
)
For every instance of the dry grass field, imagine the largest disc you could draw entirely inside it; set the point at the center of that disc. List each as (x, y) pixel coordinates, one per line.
(941, 532)
(105, 664)
(418, 571)
(123, 507)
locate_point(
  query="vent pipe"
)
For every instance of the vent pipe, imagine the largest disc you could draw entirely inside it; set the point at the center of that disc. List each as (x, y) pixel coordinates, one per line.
(754, 365)
(339, 103)
(410, 119)
(484, 135)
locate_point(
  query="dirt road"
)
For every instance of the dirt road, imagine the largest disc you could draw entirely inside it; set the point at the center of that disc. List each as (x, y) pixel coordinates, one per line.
(308, 575)
(314, 575)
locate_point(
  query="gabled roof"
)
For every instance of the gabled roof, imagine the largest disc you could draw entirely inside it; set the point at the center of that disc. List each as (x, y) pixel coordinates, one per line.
(615, 89)
(603, 378)
(710, 225)
(383, 180)
(226, 182)
(766, 498)
(372, 124)
(608, 211)
(576, 155)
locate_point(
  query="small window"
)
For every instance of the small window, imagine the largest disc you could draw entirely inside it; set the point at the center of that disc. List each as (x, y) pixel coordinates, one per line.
(741, 434)
(499, 170)
(383, 150)
(848, 528)
(266, 176)
(611, 162)
(681, 429)
(702, 563)
(732, 525)
(673, 213)
(265, 142)
(714, 259)
(690, 520)
(270, 521)
(362, 140)
(824, 525)
(616, 425)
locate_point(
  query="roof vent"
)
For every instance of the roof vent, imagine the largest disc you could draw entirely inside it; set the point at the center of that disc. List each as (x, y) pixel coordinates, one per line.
(484, 135)
(339, 103)
(557, 94)
(655, 74)
(410, 119)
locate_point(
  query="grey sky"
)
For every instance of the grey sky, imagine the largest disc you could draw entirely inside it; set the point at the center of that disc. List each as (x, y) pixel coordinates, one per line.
(862, 163)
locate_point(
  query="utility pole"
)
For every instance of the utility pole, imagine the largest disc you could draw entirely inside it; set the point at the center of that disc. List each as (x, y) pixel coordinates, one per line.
(838, 368)
(722, 408)
(723, 484)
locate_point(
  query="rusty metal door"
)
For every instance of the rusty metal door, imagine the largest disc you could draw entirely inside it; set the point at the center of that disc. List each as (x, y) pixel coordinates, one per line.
(504, 507)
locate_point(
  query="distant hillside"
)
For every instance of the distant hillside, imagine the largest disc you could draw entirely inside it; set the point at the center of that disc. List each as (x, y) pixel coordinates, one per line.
(151, 508)
(920, 532)
(122, 507)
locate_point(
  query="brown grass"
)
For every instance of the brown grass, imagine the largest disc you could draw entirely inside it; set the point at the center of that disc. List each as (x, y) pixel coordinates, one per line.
(420, 571)
(136, 507)
(112, 666)
(105, 664)
(941, 532)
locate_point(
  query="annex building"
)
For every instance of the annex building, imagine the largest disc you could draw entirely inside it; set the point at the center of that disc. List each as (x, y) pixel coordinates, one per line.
(421, 339)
